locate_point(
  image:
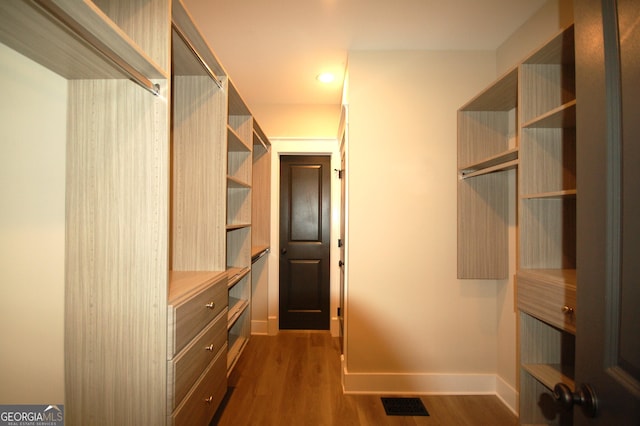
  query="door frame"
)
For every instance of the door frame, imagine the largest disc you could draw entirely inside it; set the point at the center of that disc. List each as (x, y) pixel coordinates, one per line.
(304, 146)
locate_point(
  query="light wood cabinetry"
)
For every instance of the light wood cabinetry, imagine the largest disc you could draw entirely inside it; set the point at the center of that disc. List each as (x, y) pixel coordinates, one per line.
(546, 278)
(487, 150)
(158, 207)
(527, 120)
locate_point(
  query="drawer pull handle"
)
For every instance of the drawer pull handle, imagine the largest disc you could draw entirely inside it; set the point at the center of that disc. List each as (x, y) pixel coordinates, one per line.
(209, 348)
(209, 400)
(568, 310)
(210, 305)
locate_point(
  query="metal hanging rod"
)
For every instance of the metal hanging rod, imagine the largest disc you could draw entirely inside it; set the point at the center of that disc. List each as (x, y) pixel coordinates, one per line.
(94, 42)
(200, 59)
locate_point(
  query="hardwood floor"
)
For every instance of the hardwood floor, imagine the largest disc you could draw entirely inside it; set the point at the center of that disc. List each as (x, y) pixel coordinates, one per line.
(294, 379)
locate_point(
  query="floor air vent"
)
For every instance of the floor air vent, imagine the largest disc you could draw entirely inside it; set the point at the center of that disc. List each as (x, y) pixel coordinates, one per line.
(404, 407)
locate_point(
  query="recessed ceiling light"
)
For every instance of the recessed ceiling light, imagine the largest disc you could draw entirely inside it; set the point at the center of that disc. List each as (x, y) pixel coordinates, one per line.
(325, 77)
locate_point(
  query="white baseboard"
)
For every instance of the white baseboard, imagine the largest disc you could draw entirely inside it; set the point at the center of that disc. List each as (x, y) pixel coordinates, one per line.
(507, 394)
(335, 327)
(418, 383)
(259, 327)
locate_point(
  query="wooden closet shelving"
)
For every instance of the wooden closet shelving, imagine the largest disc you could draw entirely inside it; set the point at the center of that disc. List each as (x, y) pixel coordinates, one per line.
(526, 121)
(158, 207)
(487, 150)
(547, 286)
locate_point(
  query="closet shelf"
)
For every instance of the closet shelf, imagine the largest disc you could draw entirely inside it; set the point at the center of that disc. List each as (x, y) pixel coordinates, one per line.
(236, 346)
(235, 275)
(502, 95)
(236, 308)
(550, 374)
(500, 162)
(258, 251)
(562, 117)
(233, 182)
(567, 193)
(235, 142)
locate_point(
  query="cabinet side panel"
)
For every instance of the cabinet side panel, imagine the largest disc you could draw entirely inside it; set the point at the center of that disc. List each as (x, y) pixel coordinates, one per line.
(116, 256)
(199, 175)
(261, 193)
(482, 226)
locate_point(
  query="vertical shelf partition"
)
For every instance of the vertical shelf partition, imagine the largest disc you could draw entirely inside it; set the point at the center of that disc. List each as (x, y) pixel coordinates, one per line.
(239, 172)
(547, 284)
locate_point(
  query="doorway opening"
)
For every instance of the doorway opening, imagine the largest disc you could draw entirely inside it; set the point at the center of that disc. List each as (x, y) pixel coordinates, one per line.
(304, 251)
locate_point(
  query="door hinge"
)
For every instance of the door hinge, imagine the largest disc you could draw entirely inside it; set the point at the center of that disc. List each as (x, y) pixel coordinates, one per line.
(340, 263)
(338, 310)
(339, 242)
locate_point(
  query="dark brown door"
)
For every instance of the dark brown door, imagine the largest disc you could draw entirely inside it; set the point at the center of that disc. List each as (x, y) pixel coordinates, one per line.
(608, 153)
(305, 183)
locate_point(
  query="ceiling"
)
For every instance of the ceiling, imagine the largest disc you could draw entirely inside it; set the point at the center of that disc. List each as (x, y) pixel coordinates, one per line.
(274, 49)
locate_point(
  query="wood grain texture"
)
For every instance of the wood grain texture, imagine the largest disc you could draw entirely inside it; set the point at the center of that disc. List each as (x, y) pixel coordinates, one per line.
(117, 254)
(482, 226)
(547, 160)
(261, 193)
(545, 87)
(483, 135)
(33, 33)
(239, 248)
(199, 406)
(190, 314)
(142, 23)
(181, 18)
(501, 95)
(548, 233)
(294, 378)
(199, 175)
(547, 354)
(184, 370)
(543, 297)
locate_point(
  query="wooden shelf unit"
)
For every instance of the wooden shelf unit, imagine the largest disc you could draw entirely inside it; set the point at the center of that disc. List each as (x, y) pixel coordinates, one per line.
(546, 278)
(526, 121)
(487, 150)
(157, 208)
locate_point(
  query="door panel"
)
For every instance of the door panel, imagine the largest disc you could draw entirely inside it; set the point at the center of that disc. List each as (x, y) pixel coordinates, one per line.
(304, 242)
(608, 98)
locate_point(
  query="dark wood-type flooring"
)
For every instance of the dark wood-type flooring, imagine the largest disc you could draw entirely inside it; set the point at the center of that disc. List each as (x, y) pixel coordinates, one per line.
(294, 379)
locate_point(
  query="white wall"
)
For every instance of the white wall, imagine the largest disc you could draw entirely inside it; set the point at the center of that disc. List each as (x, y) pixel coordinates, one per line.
(32, 189)
(298, 121)
(412, 326)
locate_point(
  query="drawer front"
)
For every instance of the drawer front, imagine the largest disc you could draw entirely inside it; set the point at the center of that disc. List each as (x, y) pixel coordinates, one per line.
(184, 369)
(551, 302)
(204, 398)
(190, 317)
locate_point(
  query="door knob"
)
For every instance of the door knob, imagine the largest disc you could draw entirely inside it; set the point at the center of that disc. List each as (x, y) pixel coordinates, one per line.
(283, 251)
(585, 397)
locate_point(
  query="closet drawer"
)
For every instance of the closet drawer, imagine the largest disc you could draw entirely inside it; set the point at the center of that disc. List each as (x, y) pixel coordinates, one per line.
(188, 317)
(184, 369)
(201, 402)
(550, 301)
